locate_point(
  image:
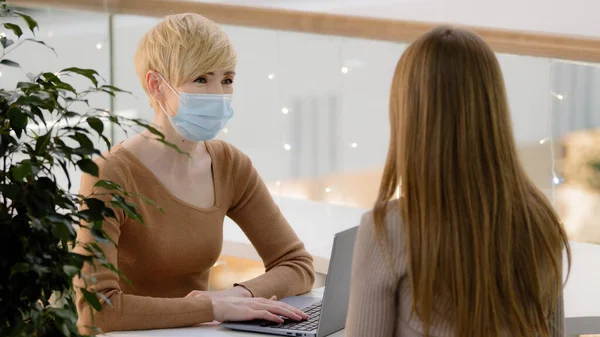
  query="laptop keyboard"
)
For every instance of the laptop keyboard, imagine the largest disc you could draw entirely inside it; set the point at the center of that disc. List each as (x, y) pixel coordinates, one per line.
(313, 312)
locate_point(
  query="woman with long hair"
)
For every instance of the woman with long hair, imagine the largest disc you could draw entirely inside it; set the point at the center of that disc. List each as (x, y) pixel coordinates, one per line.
(471, 247)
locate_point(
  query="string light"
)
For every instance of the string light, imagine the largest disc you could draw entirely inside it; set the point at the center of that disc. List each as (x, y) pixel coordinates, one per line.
(558, 96)
(0, 74)
(2, 34)
(271, 76)
(287, 147)
(327, 190)
(99, 46)
(345, 70)
(226, 131)
(285, 111)
(543, 141)
(354, 145)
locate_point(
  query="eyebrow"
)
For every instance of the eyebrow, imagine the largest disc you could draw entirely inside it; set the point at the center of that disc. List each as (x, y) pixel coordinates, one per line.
(226, 73)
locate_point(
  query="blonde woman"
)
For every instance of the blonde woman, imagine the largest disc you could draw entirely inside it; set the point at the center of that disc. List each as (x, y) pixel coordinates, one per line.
(472, 247)
(186, 64)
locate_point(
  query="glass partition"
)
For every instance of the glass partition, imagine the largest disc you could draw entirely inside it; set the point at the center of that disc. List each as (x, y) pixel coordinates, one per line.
(312, 110)
(575, 117)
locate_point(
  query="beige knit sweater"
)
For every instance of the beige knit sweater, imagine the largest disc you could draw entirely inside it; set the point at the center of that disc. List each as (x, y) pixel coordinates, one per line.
(172, 253)
(381, 308)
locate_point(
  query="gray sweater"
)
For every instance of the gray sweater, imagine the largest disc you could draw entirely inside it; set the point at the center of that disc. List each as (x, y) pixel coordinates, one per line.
(374, 309)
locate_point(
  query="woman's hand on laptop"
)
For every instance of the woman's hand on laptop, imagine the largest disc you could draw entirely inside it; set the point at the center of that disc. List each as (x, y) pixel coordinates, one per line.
(232, 309)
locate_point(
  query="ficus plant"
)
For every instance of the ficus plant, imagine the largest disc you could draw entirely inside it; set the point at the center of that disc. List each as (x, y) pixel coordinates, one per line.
(47, 132)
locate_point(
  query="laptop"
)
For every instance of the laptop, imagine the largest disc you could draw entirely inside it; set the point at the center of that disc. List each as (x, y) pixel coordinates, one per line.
(326, 315)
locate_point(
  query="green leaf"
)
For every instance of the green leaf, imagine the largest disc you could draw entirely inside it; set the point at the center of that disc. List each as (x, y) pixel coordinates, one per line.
(92, 299)
(144, 199)
(113, 89)
(83, 140)
(173, 146)
(19, 268)
(88, 166)
(96, 124)
(63, 165)
(148, 127)
(129, 208)
(65, 86)
(118, 272)
(10, 63)
(42, 143)
(106, 141)
(15, 28)
(70, 271)
(88, 73)
(42, 43)
(95, 205)
(27, 85)
(21, 170)
(64, 231)
(18, 119)
(6, 42)
(109, 185)
(31, 23)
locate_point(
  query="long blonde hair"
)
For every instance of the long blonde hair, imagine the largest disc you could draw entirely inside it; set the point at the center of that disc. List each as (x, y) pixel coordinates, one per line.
(483, 242)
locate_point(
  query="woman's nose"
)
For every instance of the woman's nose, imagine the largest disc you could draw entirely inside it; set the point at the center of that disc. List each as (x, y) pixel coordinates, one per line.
(215, 88)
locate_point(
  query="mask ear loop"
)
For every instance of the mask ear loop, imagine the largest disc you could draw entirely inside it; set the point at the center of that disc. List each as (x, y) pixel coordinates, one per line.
(172, 89)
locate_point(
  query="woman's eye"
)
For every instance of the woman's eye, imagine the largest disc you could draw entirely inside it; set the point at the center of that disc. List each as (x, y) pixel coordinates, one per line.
(227, 81)
(200, 80)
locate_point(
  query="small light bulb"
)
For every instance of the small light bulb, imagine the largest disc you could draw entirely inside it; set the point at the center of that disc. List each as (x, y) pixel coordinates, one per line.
(345, 70)
(285, 111)
(327, 190)
(542, 141)
(271, 76)
(2, 34)
(287, 147)
(560, 97)
(0, 74)
(99, 46)
(354, 145)
(278, 183)
(226, 130)
(556, 180)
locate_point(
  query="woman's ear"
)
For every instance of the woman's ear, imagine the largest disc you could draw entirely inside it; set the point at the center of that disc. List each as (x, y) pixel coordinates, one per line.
(154, 84)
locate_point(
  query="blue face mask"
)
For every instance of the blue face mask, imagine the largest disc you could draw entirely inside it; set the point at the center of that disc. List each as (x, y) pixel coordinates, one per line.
(200, 117)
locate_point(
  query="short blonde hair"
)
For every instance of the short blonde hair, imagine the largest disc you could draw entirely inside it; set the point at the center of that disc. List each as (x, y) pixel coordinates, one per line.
(182, 47)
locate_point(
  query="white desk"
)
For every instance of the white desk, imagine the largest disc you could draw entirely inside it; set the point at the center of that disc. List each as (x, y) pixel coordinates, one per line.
(582, 291)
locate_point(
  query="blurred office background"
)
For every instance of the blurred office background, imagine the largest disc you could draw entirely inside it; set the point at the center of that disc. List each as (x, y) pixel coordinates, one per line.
(312, 107)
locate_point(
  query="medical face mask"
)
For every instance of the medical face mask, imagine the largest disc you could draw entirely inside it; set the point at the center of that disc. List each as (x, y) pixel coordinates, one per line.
(199, 117)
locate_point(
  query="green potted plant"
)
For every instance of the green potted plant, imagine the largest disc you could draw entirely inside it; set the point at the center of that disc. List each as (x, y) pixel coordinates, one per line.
(38, 215)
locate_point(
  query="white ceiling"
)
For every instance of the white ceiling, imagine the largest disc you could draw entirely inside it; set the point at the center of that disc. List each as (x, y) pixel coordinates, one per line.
(572, 17)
